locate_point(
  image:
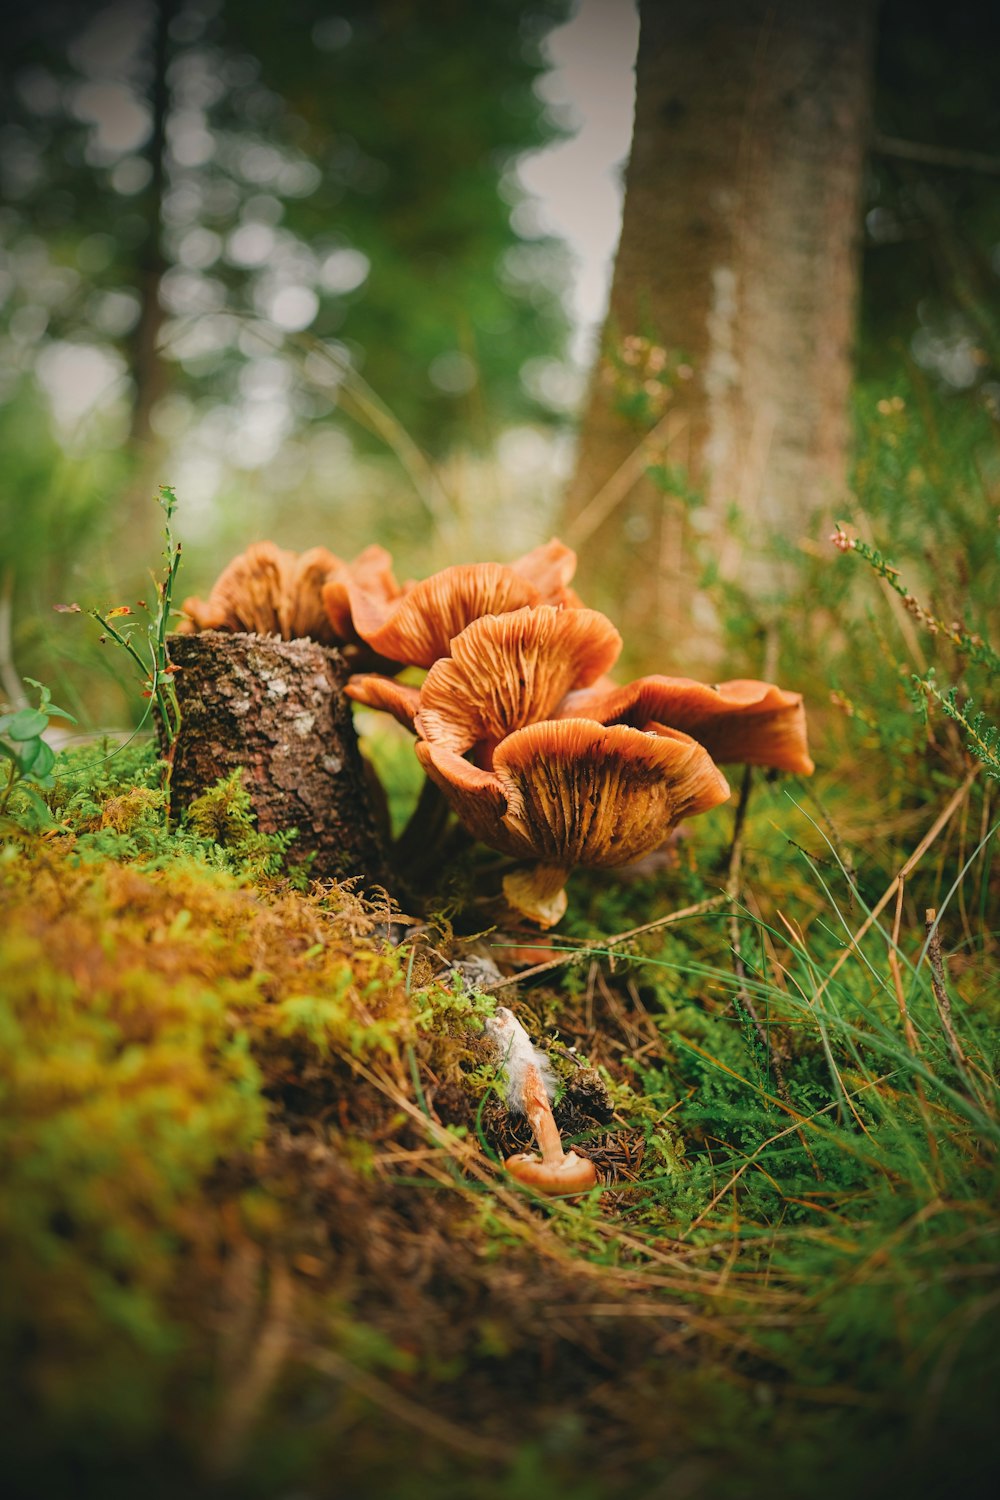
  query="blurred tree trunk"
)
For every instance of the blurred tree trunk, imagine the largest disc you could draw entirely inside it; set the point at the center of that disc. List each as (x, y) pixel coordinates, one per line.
(147, 363)
(740, 251)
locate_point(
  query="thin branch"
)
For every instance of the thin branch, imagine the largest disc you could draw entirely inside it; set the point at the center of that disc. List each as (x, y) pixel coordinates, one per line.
(614, 490)
(380, 1393)
(939, 985)
(936, 156)
(577, 955)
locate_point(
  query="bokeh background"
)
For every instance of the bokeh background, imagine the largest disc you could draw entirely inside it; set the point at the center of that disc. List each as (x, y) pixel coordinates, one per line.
(336, 274)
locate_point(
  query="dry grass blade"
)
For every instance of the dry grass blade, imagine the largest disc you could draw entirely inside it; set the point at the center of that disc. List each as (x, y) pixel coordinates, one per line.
(251, 1387)
(411, 1413)
(892, 955)
(626, 476)
(941, 821)
(942, 999)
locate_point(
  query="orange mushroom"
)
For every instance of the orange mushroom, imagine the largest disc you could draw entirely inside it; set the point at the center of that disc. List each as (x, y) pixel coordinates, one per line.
(556, 1171)
(248, 594)
(268, 590)
(418, 625)
(572, 792)
(542, 758)
(504, 671)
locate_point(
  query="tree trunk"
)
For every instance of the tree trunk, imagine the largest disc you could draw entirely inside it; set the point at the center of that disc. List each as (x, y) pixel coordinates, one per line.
(147, 362)
(277, 708)
(739, 251)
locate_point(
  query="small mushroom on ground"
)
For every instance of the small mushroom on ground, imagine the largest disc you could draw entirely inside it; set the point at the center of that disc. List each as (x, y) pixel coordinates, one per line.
(529, 1081)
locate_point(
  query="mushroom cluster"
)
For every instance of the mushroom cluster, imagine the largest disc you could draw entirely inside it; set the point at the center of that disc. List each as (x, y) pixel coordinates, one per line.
(540, 755)
(537, 751)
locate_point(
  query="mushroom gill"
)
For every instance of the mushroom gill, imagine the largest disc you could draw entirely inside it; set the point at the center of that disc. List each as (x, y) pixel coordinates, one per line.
(508, 671)
(418, 625)
(572, 792)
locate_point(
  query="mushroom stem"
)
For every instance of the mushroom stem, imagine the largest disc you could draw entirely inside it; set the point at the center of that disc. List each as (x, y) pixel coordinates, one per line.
(537, 893)
(540, 1116)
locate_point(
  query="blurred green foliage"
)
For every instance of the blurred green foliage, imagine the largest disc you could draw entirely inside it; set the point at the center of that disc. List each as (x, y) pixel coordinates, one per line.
(223, 177)
(932, 220)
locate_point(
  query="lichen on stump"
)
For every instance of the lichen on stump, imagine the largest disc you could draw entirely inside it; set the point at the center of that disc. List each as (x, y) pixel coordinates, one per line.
(277, 708)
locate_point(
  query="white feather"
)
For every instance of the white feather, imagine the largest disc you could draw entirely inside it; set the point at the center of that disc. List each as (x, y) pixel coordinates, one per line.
(517, 1054)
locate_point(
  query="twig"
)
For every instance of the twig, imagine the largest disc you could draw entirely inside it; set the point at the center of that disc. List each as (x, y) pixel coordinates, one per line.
(381, 1394)
(936, 156)
(251, 1389)
(577, 955)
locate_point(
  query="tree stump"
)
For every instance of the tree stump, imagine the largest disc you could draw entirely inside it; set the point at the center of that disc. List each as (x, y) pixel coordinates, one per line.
(277, 708)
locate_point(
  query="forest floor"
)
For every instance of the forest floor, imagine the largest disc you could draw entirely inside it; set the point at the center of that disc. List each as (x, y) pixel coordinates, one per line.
(257, 1236)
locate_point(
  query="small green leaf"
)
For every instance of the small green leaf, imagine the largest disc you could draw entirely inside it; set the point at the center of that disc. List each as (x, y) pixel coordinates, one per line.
(43, 762)
(26, 753)
(45, 702)
(28, 724)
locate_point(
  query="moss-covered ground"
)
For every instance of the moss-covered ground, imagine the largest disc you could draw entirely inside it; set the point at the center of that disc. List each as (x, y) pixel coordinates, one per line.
(257, 1239)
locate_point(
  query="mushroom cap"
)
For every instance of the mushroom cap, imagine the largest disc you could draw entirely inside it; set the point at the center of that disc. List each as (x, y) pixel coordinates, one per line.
(549, 568)
(507, 671)
(416, 625)
(572, 792)
(376, 691)
(300, 609)
(745, 721)
(419, 627)
(572, 1175)
(247, 594)
(271, 591)
(370, 572)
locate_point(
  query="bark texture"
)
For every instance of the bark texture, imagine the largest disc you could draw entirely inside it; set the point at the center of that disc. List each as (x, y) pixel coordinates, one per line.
(739, 248)
(278, 709)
